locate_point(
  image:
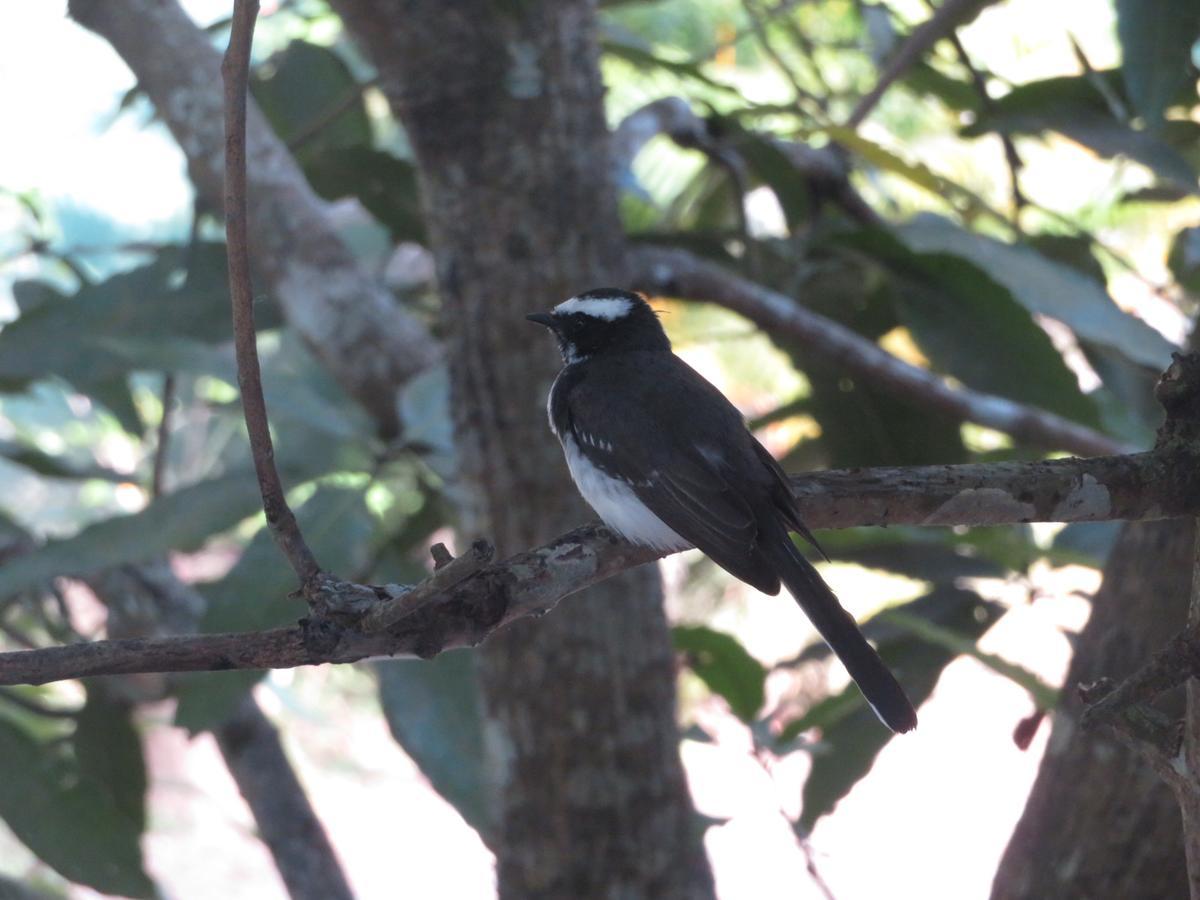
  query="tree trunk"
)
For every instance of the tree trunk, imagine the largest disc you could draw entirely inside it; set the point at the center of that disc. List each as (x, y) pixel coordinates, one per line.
(1099, 823)
(503, 105)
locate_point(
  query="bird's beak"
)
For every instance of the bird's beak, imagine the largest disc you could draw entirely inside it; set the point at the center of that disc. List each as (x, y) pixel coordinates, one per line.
(542, 319)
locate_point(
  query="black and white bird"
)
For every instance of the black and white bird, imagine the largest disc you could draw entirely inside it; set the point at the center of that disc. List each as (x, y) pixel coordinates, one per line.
(667, 461)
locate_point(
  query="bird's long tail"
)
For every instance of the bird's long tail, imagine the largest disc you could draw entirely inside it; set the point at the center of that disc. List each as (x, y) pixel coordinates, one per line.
(841, 633)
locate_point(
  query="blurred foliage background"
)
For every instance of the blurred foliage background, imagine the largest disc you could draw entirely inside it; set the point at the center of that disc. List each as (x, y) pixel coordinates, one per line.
(1020, 216)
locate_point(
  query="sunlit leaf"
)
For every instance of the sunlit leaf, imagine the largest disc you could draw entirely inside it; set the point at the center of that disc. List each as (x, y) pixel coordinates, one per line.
(56, 466)
(1087, 109)
(1042, 694)
(724, 666)
(1046, 287)
(967, 323)
(914, 172)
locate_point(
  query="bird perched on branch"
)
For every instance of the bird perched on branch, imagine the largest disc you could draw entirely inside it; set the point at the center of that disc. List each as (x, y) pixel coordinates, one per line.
(667, 461)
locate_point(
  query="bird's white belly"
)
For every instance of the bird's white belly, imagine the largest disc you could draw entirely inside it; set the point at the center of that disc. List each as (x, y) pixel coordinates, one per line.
(616, 503)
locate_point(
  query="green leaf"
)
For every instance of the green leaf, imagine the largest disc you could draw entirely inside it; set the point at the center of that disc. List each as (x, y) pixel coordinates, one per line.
(256, 594)
(384, 184)
(11, 889)
(427, 423)
(434, 710)
(851, 735)
(56, 466)
(150, 303)
(109, 751)
(1125, 397)
(1042, 694)
(708, 202)
(1084, 108)
(930, 556)
(862, 425)
(301, 90)
(724, 666)
(181, 520)
(1045, 287)
(1109, 138)
(1184, 259)
(958, 95)
(67, 818)
(970, 326)
(1156, 43)
(922, 176)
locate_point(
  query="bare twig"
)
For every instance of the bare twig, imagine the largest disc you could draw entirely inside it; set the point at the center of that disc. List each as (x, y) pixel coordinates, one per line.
(1011, 158)
(1170, 667)
(234, 72)
(681, 274)
(946, 19)
(1148, 485)
(164, 436)
(759, 21)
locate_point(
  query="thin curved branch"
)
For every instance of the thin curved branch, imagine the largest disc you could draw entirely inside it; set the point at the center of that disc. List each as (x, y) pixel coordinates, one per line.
(235, 71)
(1153, 485)
(682, 274)
(948, 17)
(349, 320)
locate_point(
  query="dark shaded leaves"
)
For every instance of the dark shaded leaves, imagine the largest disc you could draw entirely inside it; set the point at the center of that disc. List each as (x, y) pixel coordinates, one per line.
(69, 818)
(1156, 42)
(255, 594)
(434, 710)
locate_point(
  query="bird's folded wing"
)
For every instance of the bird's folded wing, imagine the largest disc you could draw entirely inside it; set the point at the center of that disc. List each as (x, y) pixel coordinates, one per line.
(681, 480)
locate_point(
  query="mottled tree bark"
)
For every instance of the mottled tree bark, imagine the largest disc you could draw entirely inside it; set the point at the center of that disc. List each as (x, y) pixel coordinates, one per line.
(503, 105)
(1099, 823)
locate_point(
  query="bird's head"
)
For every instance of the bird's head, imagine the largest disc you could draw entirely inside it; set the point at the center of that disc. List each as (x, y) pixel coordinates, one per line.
(606, 320)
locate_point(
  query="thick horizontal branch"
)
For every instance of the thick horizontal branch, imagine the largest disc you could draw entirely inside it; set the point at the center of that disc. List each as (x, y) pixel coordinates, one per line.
(1154, 485)
(1140, 486)
(348, 318)
(682, 274)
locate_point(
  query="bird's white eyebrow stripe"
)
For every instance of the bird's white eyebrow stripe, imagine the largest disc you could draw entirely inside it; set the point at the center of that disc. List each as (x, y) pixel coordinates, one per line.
(607, 308)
